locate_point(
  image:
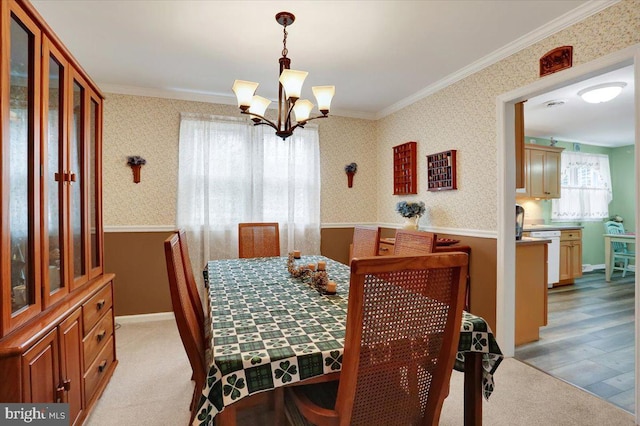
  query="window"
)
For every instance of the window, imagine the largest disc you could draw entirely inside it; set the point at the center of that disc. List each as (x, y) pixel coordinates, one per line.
(586, 188)
(231, 171)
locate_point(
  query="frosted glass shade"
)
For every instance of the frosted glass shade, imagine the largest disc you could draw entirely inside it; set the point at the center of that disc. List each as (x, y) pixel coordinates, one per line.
(323, 95)
(302, 110)
(259, 105)
(601, 92)
(244, 91)
(292, 81)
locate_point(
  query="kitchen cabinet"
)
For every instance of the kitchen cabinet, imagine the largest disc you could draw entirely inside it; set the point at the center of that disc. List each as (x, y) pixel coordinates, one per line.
(531, 290)
(570, 256)
(51, 249)
(542, 172)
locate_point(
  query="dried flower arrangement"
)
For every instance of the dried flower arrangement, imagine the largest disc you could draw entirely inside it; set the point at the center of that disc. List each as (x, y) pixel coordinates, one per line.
(136, 160)
(410, 209)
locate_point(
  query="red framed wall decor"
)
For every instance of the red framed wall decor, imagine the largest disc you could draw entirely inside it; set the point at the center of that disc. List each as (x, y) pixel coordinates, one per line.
(441, 171)
(404, 169)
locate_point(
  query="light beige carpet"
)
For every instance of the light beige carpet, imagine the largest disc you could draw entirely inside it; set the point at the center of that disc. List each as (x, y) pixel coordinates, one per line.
(151, 386)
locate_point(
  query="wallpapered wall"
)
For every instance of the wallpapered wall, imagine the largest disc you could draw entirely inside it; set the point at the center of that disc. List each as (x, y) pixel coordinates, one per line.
(463, 117)
(150, 127)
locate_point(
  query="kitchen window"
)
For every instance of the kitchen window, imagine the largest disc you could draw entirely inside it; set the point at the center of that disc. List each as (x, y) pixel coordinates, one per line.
(585, 188)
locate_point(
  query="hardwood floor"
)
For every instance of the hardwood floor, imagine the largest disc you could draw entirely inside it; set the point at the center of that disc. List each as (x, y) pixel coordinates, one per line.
(589, 339)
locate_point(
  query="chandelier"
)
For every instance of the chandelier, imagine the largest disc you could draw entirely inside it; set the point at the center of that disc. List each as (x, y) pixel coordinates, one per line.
(290, 87)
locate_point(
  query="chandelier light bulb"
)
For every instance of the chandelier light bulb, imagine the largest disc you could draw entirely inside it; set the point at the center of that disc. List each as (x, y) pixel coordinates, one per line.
(259, 105)
(323, 95)
(292, 81)
(302, 110)
(601, 93)
(244, 91)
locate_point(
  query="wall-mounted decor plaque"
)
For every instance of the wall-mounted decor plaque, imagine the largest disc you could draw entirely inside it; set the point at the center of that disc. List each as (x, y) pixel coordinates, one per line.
(555, 60)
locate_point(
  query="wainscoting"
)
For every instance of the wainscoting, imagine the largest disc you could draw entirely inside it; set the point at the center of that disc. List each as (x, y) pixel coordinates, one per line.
(141, 285)
(589, 340)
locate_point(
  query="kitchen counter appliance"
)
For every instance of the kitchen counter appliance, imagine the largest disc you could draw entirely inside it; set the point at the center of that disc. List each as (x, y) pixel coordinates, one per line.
(553, 255)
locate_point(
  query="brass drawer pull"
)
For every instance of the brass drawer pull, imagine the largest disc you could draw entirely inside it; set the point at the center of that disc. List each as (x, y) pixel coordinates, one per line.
(102, 366)
(100, 304)
(384, 249)
(101, 335)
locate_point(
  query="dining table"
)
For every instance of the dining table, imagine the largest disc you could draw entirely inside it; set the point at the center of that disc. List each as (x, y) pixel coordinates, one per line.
(269, 329)
(609, 239)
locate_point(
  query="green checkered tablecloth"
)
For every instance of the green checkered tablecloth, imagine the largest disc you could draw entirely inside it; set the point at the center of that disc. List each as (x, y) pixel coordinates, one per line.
(270, 330)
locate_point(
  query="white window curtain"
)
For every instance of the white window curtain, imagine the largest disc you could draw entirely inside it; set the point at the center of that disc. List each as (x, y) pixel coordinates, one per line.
(231, 171)
(586, 188)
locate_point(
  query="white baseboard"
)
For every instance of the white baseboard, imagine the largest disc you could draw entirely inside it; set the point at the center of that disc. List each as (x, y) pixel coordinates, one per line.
(159, 316)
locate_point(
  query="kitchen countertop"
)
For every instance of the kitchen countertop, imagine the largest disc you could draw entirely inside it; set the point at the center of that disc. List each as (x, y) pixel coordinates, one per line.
(531, 241)
(530, 228)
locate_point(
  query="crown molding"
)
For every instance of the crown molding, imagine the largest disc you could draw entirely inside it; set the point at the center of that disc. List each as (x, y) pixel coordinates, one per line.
(570, 18)
(185, 95)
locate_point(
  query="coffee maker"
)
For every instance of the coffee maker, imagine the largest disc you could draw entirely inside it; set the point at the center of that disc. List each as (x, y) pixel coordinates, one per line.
(519, 221)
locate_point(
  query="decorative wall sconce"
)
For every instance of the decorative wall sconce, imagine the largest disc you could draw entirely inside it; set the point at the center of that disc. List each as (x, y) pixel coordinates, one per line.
(136, 162)
(350, 170)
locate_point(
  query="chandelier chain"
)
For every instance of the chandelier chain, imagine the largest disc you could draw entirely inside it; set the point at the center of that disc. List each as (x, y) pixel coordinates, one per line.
(284, 42)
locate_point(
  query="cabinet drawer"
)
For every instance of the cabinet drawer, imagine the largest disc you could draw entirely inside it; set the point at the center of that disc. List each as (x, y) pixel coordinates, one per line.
(97, 338)
(96, 307)
(98, 369)
(572, 235)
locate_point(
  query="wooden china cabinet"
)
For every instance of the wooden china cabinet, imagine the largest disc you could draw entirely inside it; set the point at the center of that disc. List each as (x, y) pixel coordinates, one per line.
(56, 318)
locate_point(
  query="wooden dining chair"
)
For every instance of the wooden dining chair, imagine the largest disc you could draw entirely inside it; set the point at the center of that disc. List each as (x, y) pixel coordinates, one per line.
(258, 240)
(403, 323)
(414, 243)
(191, 333)
(366, 241)
(192, 286)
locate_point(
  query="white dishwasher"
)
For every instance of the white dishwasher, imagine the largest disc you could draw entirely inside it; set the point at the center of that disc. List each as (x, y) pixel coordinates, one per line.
(553, 254)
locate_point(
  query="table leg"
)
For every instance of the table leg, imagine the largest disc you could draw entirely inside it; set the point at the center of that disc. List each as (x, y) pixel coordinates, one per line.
(473, 388)
(227, 417)
(607, 259)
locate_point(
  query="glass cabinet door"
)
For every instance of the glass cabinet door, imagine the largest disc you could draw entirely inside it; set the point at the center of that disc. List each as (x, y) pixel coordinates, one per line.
(53, 139)
(94, 174)
(19, 159)
(77, 226)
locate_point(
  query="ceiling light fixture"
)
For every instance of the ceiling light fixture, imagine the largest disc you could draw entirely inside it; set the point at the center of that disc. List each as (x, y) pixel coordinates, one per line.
(601, 92)
(290, 87)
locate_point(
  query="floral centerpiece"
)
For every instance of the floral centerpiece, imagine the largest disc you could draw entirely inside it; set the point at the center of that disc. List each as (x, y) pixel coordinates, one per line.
(411, 212)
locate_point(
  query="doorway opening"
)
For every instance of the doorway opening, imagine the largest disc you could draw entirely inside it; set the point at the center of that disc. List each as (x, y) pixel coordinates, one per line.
(505, 304)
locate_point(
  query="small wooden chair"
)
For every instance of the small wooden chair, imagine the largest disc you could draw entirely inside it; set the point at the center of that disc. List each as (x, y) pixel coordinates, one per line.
(403, 323)
(191, 333)
(258, 240)
(414, 243)
(621, 253)
(366, 241)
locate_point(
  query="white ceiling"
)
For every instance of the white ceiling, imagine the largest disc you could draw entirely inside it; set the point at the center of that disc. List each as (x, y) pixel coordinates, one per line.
(378, 54)
(606, 124)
